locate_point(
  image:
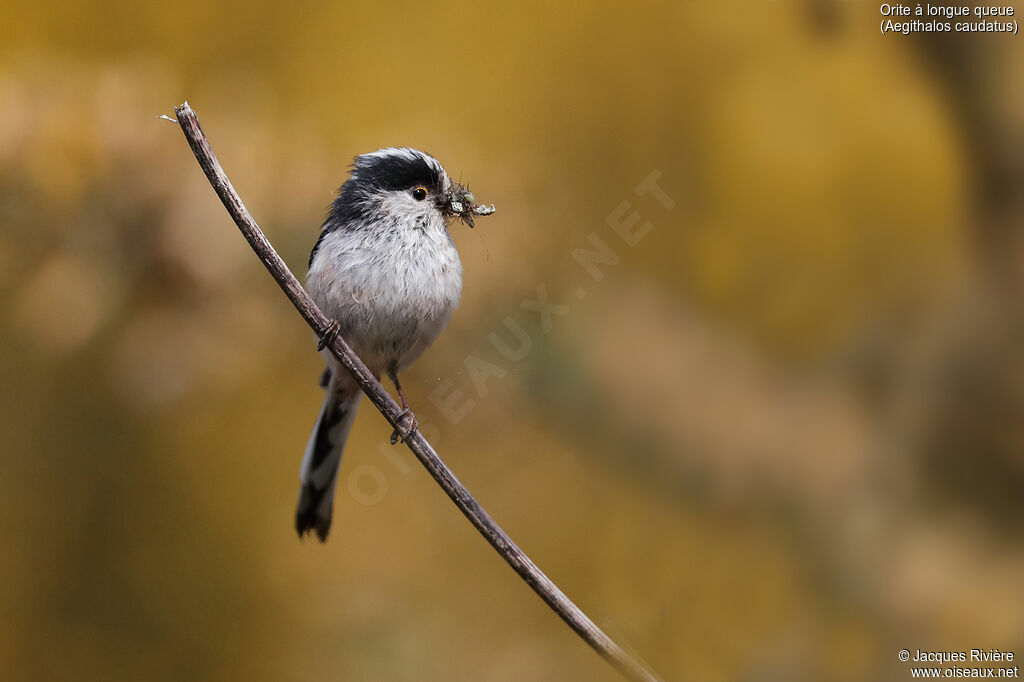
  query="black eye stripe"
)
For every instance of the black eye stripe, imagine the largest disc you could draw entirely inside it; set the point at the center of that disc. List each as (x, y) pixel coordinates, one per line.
(397, 171)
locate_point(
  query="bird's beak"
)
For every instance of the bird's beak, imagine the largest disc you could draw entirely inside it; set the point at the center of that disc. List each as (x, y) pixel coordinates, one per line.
(462, 204)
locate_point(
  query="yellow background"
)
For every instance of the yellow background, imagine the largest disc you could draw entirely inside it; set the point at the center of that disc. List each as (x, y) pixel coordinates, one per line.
(781, 439)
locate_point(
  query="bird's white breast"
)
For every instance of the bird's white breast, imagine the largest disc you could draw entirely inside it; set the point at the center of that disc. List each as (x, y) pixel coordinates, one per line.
(391, 286)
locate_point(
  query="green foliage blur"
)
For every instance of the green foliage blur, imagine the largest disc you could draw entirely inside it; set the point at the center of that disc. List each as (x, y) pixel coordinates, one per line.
(782, 438)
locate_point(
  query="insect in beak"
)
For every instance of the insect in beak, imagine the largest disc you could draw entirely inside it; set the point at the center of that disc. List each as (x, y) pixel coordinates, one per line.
(462, 204)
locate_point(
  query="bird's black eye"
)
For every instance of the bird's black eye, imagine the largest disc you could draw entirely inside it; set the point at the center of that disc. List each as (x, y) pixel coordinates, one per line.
(420, 193)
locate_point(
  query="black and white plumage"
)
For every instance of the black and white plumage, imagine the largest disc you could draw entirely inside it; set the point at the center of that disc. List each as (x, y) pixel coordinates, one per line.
(386, 270)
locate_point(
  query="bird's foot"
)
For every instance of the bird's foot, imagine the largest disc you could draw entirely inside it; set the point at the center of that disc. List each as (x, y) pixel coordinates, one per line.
(329, 335)
(407, 425)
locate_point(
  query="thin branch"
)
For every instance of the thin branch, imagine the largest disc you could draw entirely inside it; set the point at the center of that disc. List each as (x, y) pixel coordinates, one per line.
(510, 552)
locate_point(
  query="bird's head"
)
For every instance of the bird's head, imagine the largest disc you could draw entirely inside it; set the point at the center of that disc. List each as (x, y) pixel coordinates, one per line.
(406, 185)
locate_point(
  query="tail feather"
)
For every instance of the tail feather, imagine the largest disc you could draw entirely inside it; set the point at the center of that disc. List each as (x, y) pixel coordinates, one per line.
(322, 459)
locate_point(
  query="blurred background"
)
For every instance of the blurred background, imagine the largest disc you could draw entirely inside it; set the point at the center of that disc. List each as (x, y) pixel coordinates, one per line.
(780, 439)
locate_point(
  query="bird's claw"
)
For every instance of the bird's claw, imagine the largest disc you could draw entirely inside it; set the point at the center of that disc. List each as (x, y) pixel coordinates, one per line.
(407, 425)
(329, 335)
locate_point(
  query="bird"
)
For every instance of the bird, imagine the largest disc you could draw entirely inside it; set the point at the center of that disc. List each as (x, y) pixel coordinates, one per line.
(387, 273)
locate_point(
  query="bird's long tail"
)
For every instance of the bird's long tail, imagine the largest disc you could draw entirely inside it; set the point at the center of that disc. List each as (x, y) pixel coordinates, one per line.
(319, 472)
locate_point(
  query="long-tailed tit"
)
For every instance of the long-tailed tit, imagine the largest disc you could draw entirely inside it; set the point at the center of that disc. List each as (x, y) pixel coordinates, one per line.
(386, 271)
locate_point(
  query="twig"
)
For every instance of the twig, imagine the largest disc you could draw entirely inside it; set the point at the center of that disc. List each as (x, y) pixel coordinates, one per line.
(516, 558)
